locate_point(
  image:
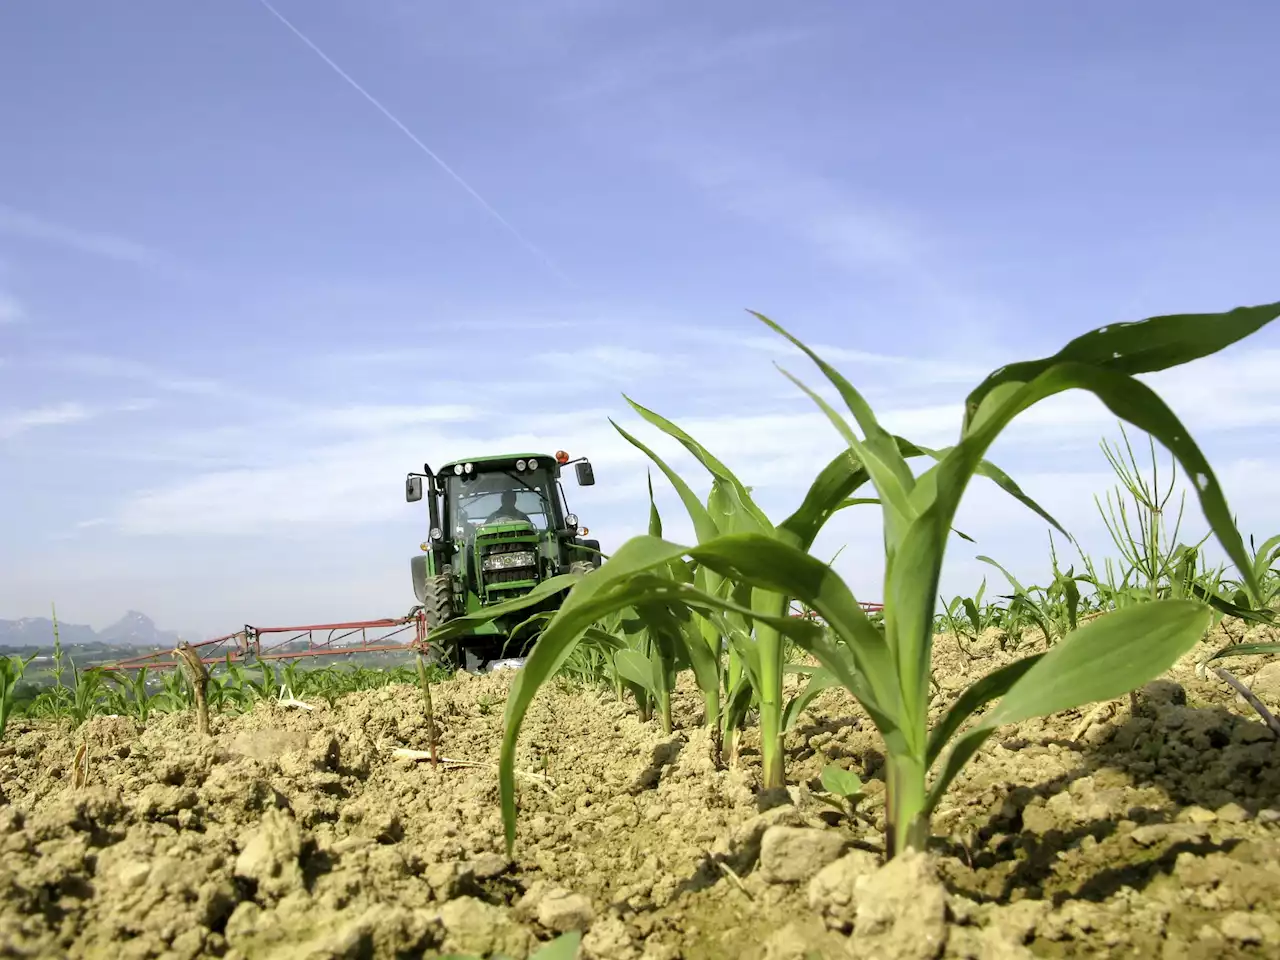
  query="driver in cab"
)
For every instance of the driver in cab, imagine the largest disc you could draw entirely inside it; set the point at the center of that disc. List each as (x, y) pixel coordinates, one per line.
(507, 510)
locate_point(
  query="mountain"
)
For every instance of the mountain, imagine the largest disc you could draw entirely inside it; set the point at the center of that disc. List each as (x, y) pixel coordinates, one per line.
(136, 629)
(132, 630)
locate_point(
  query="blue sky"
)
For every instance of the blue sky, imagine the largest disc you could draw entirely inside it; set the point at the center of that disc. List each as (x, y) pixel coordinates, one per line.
(237, 303)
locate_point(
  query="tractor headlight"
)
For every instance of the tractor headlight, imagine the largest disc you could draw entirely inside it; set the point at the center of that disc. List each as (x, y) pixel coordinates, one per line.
(469, 467)
(533, 464)
(571, 521)
(436, 533)
(510, 561)
(457, 469)
(520, 465)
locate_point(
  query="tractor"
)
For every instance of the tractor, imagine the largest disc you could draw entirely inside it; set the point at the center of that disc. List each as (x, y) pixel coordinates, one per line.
(499, 526)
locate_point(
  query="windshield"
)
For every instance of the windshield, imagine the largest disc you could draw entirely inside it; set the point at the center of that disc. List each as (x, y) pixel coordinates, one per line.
(494, 497)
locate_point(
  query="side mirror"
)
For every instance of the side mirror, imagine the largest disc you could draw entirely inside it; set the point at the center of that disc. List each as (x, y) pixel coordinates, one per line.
(413, 489)
(586, 475)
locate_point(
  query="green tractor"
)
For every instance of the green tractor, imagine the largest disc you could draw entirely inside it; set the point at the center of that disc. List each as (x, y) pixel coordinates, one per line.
(499, 527)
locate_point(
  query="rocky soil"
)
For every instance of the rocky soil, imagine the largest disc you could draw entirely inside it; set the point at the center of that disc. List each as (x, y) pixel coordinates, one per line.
(296, 834)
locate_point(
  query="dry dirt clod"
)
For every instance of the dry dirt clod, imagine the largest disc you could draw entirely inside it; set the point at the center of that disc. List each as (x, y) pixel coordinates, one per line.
(794, 854)
(270, 857)
(473, 926)
(833, 890)
(561, 911)
(902, 910)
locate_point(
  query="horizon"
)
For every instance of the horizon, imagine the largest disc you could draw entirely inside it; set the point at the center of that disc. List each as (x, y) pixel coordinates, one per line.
(242, 294)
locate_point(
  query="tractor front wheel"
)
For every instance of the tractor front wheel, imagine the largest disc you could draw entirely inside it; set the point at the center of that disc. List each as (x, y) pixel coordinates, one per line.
(439, 600)
(438, 610)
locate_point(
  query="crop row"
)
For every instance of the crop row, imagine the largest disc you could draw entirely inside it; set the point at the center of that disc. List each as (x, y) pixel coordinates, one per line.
(723, 609)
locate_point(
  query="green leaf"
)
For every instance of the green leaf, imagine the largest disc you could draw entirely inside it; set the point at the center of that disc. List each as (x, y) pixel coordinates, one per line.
(1104, 659)
(563, 947)
(704, 527)
(718, 470)
(467, 622)
(834, 484)
(978, 694)
(819, 680)
(841, 782)
(1245, 650)
(634, 667)
(912, 581)
(1147, 346)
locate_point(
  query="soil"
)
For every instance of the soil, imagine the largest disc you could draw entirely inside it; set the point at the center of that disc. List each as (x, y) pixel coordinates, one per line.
(289, 833)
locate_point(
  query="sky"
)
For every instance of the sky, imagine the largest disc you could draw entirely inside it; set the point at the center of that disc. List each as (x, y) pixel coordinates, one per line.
(246, 286)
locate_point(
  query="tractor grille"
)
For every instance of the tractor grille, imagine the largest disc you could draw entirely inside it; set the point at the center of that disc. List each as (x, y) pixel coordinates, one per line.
(509, 562)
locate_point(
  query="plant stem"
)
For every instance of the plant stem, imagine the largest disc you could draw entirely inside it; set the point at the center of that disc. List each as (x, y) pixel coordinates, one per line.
(906, 823)
(425, 681)
(769, 643)
(1267, 717)
(664, 705)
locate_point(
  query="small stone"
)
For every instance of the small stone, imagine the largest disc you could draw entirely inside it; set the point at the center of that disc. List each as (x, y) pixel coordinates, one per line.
(1150, 835)
(1153, 833)
(1239, 926)
(1269, 816)
(1233, 813)
(486, 866)
(1195, 814)
(132, 874)
(1266, 682)
(1164, 691)
(562, 911)
(794, 854)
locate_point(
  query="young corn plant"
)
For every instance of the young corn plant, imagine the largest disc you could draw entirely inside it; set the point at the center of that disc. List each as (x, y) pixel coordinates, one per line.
(11, 671)
(888, 670)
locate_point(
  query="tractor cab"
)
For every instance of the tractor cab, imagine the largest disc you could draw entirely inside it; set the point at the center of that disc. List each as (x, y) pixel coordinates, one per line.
(499, 526)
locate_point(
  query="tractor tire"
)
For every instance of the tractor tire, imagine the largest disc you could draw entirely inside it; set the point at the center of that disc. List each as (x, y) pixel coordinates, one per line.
(438, 604)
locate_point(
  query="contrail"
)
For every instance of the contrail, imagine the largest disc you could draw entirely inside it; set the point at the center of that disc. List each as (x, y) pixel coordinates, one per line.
(528, 244)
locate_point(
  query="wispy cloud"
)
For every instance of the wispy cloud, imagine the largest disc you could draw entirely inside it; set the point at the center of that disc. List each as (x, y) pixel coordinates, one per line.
(349, 457)
(20, 421)
(894, 366)
(683, 58)
(372, 418)
(122, 368)
(11, 310)
(872, 237)
(29, 226)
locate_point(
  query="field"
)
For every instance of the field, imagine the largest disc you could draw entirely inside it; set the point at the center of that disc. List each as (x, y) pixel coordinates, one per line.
(297, 833)
(714, 750)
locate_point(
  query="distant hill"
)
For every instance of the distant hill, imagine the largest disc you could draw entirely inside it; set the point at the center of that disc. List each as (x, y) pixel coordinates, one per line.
(132, 630)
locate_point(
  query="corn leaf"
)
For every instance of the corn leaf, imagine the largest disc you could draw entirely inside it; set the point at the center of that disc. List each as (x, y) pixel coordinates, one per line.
(1102, 660)
(1146, 346)
(976, 696)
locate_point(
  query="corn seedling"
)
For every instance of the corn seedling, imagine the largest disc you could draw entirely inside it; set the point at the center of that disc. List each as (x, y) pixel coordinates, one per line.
(843, 789)
(87, 694)
(888, 670)
(424, 679)
(131, 696)
(198, 676)
(11, 671)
